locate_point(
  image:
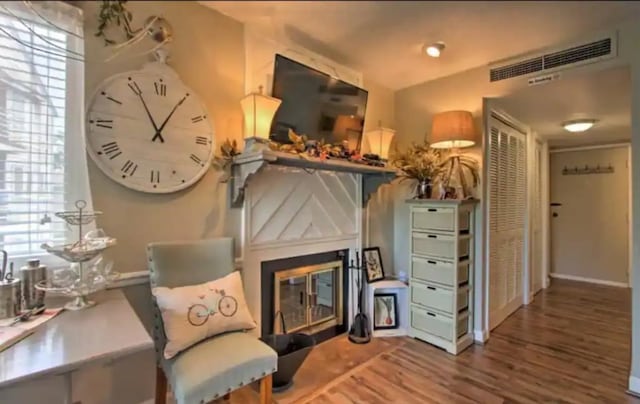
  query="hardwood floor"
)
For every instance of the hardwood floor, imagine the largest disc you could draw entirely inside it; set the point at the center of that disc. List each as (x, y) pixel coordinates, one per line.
(571, 345)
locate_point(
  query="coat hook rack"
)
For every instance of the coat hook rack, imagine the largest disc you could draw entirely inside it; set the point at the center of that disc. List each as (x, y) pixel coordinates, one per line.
(587, 169)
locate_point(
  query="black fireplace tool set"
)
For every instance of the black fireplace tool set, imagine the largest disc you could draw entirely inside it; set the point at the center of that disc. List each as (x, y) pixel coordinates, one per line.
(359, 332)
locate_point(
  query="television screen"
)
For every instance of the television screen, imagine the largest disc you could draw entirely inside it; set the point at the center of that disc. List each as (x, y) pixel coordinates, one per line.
(316, 104)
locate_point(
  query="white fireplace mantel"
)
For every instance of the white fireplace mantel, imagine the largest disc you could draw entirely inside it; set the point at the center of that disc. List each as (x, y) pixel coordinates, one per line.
(247, 164)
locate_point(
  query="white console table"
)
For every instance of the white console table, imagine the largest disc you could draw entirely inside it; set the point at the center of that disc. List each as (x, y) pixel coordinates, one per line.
(399, 288)
(75, 339)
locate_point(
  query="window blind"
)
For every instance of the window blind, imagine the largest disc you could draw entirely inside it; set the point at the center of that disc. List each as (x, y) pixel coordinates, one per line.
(39, 106)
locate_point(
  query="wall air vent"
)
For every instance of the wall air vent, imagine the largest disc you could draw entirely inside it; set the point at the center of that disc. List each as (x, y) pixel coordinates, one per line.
(604, 48)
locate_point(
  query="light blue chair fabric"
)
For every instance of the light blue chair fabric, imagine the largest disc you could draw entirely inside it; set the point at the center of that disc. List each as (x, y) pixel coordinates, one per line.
(218, 365)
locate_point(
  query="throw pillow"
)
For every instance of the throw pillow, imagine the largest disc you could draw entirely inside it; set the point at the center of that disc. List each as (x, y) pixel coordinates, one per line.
(193, 313)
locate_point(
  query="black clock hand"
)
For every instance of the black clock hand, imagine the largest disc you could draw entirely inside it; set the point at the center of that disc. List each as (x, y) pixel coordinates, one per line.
(159, 131)
(155, 127)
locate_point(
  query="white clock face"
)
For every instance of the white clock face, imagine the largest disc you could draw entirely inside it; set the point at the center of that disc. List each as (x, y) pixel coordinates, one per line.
(149, 132)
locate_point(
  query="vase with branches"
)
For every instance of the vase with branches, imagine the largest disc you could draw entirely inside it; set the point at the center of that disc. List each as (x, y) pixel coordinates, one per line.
(421, 164)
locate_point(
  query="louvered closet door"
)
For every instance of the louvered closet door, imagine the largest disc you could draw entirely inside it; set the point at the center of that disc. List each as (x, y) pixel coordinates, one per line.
(507, 208)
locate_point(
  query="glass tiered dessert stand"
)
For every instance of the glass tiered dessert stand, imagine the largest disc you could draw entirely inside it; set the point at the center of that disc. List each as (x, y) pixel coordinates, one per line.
(88, 271)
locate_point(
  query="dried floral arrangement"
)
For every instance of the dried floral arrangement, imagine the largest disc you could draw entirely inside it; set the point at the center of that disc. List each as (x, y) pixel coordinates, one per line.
(301, 146)
(223, 160)
(467, 168)
(424, 164)
(419, 162)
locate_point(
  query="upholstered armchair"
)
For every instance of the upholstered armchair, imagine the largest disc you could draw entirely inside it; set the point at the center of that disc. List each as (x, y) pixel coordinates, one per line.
(215, 367)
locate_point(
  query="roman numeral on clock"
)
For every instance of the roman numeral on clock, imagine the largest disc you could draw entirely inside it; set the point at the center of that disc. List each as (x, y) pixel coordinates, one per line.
(110, 98)
(201, 140)
(129, 168)
(196, 159)
(104, 123)
(134, 87)
(161, 88)
(155, 177)
(197, 119)
(111, 149)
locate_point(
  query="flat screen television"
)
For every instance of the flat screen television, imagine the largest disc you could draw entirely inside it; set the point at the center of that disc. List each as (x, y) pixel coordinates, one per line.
(316, 104)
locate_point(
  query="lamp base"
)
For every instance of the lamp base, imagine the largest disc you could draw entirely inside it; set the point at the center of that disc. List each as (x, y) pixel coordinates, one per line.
(253, 144)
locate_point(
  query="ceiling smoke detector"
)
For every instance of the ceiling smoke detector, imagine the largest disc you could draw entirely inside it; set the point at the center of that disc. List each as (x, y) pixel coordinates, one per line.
(435, 49)
(578, 125)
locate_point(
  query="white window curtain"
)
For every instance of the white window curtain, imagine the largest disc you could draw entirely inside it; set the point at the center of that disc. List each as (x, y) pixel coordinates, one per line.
(43, 167)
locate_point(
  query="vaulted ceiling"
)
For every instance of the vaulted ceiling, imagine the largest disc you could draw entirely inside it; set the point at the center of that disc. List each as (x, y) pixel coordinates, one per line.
(385, 39)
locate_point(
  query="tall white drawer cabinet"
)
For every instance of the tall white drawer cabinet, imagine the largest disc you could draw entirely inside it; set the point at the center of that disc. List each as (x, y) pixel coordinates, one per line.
(441, 273)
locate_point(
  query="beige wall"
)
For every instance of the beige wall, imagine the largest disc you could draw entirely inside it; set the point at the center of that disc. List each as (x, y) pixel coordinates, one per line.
(208, 54)
(590, 234)
(415, 105)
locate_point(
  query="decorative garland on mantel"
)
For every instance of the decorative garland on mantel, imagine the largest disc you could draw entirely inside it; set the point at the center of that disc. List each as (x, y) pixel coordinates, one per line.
(300, 146)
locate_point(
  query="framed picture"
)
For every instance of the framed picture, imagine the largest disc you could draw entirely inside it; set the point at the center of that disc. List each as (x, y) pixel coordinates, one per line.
(373, 264)
(385, 311)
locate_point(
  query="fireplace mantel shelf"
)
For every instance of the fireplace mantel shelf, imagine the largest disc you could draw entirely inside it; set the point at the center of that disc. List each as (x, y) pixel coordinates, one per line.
(247, 164)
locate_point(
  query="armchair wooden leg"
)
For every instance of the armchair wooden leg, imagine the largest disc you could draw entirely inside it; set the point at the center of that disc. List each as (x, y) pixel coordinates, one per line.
(161, 386)
(265, 389)
(227, 397)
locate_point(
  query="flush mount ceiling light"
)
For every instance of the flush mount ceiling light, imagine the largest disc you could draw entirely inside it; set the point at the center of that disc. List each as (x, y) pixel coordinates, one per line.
(435, 49)
(578, 125)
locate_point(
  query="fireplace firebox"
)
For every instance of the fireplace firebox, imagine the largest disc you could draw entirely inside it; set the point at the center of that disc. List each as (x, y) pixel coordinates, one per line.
(310, 291)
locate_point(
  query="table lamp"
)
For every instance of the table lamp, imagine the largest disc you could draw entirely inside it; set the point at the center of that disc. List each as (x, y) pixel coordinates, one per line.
(259, 110)
(379, 141)
(453, 130)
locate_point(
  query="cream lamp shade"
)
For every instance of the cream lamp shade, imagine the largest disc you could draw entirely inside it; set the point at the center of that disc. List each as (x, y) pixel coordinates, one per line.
(379, 141)
(452, 129)
(258, 110)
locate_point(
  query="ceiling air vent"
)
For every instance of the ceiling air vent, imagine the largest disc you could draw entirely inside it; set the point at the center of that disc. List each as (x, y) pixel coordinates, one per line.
(517, 69)
(576, 55)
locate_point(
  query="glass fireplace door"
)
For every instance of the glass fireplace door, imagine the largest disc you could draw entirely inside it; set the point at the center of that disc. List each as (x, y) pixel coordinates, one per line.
(322, 299)
(310, 298)
(293, 303)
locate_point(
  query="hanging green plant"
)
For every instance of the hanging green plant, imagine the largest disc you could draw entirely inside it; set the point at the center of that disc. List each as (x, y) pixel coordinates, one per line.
(114, 13)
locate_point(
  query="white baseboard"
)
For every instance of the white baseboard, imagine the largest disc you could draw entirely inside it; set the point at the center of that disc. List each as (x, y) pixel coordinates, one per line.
(480, 336)
(634, 385)
(589, 280)
(530, 298)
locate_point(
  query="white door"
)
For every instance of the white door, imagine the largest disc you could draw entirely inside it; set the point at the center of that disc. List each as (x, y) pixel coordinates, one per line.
(536, 221)
(589, 213)
(506, 201)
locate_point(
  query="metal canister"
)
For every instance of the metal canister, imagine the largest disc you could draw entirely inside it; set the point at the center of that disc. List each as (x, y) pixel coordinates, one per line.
(30, 275)
(10, 293)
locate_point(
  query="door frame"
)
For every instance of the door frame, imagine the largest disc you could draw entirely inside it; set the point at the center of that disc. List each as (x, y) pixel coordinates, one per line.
(626, 145)
(541, 173)
(490, 106)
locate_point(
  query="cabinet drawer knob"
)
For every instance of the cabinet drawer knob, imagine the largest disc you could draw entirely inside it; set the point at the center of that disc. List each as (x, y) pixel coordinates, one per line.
(431, 288)
(430, 314)
(432, 210)
(432, 236)
(431, 262)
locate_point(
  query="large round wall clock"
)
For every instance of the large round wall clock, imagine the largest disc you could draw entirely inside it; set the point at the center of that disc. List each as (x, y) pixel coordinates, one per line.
(148, 131)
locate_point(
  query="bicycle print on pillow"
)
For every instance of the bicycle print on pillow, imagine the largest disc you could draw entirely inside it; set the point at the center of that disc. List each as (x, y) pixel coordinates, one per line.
(199, 313)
